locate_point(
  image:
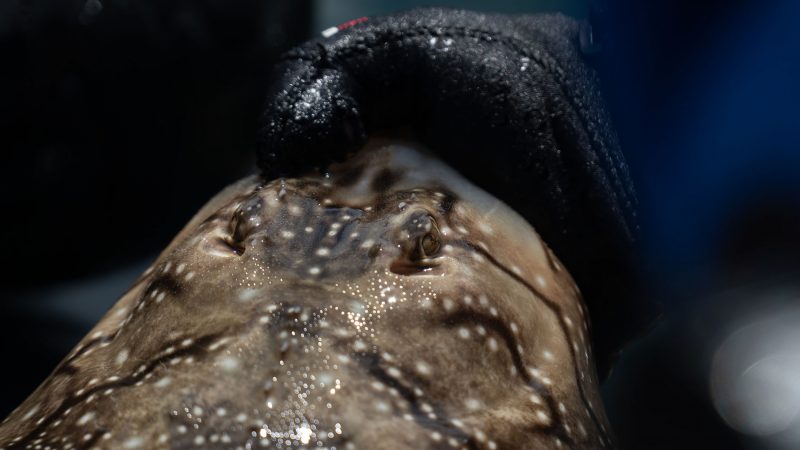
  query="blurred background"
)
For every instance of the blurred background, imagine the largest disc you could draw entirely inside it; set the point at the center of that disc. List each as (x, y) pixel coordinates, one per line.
(119, 118)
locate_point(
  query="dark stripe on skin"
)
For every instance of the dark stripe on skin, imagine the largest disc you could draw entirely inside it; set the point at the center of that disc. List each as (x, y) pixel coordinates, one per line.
(197, 348)
(448, 202)
(166, 283)
(66, 367)
(371, 362)
(499, 327)
(557, 311)
(385, 179)
(550, 261)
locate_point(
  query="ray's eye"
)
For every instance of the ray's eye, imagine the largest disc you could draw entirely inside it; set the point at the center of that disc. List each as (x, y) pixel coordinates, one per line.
(246, 219)
(420, 242)
(426, 240)
(429, 245)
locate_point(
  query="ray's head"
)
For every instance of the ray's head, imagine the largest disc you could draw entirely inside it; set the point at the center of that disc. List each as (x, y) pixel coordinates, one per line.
(424, 262)
(391, 208)
(388, 303)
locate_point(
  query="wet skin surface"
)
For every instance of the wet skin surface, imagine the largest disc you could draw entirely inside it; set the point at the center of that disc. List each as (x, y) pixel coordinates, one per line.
(388, 305)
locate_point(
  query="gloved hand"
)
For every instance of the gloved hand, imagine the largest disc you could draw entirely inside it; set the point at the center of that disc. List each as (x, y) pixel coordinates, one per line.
(509, 101)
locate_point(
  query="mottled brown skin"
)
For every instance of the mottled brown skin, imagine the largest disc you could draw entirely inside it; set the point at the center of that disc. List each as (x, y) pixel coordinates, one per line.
(390, 305)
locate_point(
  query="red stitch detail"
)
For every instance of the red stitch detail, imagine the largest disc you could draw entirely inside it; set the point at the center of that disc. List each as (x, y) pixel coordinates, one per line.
(351, 23)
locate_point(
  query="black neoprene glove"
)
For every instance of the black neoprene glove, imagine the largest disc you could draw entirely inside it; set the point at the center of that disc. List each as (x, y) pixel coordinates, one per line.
(509, 101)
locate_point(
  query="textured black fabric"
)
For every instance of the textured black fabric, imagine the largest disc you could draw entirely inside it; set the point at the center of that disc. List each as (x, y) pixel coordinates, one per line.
(506, 100)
